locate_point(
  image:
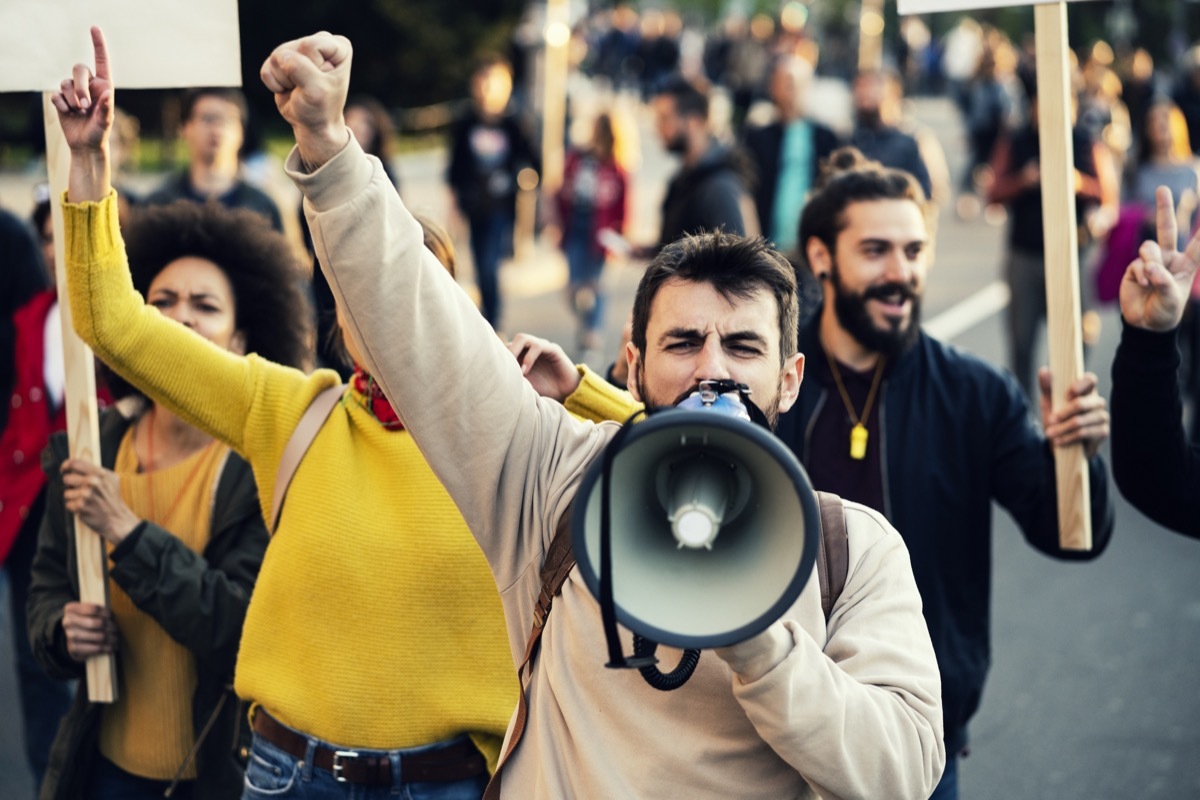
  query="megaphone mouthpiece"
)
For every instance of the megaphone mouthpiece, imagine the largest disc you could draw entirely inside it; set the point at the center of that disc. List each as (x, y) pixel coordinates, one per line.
(700, 493)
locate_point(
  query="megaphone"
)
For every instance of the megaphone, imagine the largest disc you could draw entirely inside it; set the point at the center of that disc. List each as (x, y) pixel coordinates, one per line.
(712, 525)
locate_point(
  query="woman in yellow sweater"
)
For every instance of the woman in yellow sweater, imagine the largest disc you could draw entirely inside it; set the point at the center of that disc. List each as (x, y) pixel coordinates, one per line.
(374, 649)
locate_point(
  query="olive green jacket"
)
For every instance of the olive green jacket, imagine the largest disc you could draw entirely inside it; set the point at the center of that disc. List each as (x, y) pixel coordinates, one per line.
(199, 599)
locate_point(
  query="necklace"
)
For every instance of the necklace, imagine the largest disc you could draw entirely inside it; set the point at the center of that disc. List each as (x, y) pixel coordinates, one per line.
(858, 433)
(150, 466)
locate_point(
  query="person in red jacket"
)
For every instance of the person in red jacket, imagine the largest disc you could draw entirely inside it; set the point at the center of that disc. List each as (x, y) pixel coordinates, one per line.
(592, 200)
(34, 379)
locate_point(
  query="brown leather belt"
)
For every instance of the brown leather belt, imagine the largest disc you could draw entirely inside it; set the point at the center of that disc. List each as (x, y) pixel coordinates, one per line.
(457, 762)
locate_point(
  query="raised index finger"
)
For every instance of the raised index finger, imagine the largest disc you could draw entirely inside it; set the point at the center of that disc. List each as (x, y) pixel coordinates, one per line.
(1168, 233)
(101, 50)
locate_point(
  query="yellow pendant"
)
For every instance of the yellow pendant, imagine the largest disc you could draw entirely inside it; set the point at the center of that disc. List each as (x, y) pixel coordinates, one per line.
(858, 442)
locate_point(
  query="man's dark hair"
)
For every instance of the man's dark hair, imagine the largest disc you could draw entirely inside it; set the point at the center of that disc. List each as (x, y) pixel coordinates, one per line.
(689, 100)
(735, 266)
(270, 307)
(226, 93)
(848, 177)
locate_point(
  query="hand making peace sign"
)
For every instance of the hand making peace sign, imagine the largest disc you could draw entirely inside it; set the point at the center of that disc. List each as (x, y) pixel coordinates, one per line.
(1155, 288)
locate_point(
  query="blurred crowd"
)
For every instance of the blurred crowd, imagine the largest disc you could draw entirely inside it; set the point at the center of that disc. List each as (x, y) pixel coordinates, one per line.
(1137, 125)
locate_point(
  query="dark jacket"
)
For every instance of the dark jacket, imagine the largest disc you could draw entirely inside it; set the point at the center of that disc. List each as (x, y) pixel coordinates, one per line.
(200, 600)
(1187, 97)
(893, 148)
(1153, 465)
(957, 435)
(762, 146)
(242, 195)
(485, 181)
(705, 197)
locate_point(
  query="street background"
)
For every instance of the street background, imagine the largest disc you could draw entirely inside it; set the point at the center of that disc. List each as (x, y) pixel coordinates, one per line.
(1093, 691)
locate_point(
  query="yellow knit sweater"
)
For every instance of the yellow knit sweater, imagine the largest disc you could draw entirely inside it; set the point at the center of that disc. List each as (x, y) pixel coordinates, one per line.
(375, 622)
(149, 730)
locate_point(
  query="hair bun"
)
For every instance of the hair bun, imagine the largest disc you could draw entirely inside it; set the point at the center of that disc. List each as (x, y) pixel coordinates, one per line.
(844, 159)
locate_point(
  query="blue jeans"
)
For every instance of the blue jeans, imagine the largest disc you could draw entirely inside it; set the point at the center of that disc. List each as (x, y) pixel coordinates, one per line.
(947, 788)
(272, 773)
(489, 242)
(107, 781)
(585, 262)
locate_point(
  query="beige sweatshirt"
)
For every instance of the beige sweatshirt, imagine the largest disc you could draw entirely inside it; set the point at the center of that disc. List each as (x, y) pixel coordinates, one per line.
(802, 710)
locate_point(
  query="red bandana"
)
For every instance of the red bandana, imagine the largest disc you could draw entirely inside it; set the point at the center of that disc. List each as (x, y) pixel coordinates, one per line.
(372, 399)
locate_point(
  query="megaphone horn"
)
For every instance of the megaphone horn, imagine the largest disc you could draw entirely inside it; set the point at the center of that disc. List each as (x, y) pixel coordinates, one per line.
(713, 528)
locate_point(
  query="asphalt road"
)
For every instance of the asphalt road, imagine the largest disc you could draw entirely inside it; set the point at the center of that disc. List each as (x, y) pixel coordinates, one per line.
(1093, 691)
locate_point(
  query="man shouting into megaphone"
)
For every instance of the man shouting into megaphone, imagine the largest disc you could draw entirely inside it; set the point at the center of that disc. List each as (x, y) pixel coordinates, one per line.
(848, 709)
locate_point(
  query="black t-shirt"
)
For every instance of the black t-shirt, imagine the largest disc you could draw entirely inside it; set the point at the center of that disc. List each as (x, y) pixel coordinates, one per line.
(1025, 231)
(831, 468)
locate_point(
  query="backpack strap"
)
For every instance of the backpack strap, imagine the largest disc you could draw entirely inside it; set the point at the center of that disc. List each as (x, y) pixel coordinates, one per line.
(560, 560)
(833, 551)
(302, 437)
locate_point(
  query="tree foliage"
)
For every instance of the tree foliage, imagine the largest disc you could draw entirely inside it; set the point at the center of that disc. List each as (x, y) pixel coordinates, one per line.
(406, 52)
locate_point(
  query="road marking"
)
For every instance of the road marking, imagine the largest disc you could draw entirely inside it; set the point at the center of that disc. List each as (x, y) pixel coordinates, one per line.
(967, 314)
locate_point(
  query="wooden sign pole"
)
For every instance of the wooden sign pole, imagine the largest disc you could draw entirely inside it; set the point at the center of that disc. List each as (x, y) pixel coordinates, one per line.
(83, 426)
(1062, 260)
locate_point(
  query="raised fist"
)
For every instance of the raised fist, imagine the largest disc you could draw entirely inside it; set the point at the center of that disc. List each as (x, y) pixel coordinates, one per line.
(310, 78)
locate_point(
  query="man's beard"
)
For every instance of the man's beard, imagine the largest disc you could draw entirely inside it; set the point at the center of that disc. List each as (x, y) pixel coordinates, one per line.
(851, 312)
(770, 410)
(870, 118)
(676, 145)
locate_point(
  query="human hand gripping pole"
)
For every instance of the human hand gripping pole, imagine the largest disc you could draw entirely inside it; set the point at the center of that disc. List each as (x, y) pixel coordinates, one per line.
(89, 630)
(1155, 288)
(93, 494)
(1082, 418)
(310, 78)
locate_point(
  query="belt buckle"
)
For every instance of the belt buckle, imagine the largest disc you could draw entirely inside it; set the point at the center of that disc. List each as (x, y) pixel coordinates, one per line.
(338, 756)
